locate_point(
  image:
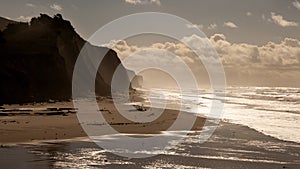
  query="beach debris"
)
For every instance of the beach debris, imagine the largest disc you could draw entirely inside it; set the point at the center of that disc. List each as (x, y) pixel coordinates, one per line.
(52, 109)
(17, 110)
(8, 121)
(51, 101)
(4, 114)
(49, 113)
(140, 108)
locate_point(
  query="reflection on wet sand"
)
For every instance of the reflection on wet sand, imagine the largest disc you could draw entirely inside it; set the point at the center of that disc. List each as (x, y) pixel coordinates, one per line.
(231, 146)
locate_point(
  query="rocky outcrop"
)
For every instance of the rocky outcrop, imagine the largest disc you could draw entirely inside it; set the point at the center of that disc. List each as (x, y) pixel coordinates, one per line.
(4, 22)
(37, 61)
(136, 80)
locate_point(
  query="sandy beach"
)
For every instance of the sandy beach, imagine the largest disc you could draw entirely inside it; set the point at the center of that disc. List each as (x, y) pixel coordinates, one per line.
(50, 135)
(27, 123)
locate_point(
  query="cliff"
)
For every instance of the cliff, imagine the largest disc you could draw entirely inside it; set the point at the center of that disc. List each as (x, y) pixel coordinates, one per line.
(4, 22)
(137, 80)
(37, 61)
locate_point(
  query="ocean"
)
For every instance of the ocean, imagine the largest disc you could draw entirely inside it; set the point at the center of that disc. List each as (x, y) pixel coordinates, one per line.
(271, 111)
(274, 111)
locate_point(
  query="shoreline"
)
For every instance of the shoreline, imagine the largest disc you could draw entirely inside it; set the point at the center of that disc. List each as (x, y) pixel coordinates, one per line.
(86, 138)
(230, 146)
(58, 121)
(19, 123)
(57, 140)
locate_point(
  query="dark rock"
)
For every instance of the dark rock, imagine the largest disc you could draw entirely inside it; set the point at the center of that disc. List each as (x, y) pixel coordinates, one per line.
(37, 61)
(52, 109)
(4, 22)
(137, 80)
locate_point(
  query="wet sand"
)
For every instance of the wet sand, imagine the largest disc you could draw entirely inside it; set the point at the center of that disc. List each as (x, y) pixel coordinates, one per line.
(59, 121)
(230, 147)
(34, 140)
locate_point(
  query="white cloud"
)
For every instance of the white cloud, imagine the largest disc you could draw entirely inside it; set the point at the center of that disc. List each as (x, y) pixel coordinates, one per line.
(122, 48)
(217, 37)
(279, 20)
(212, 26)
(6, 17)
(143, 2)
(30, 5)
(56, 7)
(230, 25)
(24, 18)
(243, 62)
(296, 4)
(285, 53)
(195, 26)
(248, 13)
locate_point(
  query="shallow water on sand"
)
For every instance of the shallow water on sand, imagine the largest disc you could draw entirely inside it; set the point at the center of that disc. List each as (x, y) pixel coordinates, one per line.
(274, 111)
(231, 146)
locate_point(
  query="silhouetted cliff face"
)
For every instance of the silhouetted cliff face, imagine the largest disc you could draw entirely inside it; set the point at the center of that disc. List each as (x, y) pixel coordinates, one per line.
(137, 80)
(37, 61)
(4, 22)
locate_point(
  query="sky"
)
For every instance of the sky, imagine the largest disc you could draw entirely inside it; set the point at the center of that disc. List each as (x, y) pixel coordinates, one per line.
(258, 41)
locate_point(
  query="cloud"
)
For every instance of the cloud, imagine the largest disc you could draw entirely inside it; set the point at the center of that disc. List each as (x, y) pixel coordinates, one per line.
(278, 20)
(56, 7)
(143, 2)
(30, 5)
(296, 4)
(24, 18)
(283, 54)
(124, 50)
(230, 25)
(217, 37)
(195, 26)
(212, 26)
(6, 17)
(268, 64)
(248, 13)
